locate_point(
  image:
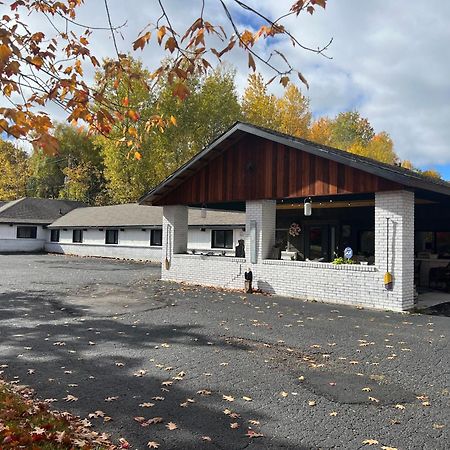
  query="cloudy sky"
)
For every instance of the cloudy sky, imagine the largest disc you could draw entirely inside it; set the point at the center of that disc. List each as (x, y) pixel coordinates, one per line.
(390, 60)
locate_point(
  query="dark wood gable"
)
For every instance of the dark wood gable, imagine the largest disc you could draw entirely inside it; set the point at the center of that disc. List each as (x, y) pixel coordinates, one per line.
(255, 168)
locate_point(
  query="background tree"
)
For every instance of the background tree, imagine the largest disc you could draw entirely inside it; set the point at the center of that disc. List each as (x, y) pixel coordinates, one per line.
(150, 153)
(48, 174)
(258, 106)
(294, 113)
(13, 171)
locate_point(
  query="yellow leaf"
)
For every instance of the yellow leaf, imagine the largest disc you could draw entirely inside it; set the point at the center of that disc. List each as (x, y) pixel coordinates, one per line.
(152, 444)
(137, 156)
(247, 399)
(161, 33)
(173, 120)
(228, 398)
(284, 394)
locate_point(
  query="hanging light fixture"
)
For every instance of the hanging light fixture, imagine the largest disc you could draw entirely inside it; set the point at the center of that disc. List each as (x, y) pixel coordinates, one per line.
(203, 212)
(307, 206)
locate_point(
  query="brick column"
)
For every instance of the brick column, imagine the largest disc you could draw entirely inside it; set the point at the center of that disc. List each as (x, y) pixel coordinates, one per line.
(174, 231)
(398, 207)
(259, 229)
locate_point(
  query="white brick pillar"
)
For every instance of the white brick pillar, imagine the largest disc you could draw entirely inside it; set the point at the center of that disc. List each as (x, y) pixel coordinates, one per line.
(395, 252)
(174, 232)
(259, 229)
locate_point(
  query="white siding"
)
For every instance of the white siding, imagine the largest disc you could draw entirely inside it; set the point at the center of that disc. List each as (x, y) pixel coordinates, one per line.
(10, 243)
(134, 243)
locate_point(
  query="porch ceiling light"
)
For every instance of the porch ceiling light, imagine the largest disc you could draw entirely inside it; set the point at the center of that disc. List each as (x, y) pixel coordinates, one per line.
(307, 206)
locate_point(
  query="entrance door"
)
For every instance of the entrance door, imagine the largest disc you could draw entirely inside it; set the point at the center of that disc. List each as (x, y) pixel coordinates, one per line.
(320, 239)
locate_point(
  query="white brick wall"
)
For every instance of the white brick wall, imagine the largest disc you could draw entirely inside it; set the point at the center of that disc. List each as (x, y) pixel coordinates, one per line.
(398, 207)
(106, 251)
(344, 284)
(175, 232)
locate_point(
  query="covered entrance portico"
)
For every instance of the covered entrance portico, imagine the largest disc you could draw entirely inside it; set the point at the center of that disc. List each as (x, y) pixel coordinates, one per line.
(356, 202)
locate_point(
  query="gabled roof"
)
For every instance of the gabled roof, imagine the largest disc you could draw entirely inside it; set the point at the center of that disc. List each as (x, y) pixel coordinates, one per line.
(402, 176)
(132, 215)
(36, 210)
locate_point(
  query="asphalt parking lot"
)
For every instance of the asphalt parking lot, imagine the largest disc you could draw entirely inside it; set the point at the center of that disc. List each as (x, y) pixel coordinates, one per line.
(191, 368)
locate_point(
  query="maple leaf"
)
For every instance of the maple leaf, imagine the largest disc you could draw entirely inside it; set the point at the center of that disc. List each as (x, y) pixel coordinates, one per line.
(146, 405)
(373, 399)
(312, 403)
(204, 392)
(370, 442)
(228, 398)
(70, 398)
(333, 413)
(234, 425)
(253, 434)
(171, 426)
(124, 443)
(110, 399)
(152, 444)
(398, 406)
(284, 394)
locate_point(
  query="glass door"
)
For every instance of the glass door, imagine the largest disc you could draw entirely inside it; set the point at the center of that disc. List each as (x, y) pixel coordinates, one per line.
(320, 240)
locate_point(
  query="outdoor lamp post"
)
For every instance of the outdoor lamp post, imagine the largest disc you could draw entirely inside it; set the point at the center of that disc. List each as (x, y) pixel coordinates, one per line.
(307, 206)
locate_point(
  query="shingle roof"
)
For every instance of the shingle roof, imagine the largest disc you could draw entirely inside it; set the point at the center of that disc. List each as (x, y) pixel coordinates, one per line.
(36, 210)
(405, 177)
(134, 215)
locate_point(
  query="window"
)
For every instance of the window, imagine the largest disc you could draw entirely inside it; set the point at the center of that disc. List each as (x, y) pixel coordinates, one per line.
(26, 232)
(54, 235)
(222, 238)
(77, 236)
(443, 244)
(112, 237)
(156, 237)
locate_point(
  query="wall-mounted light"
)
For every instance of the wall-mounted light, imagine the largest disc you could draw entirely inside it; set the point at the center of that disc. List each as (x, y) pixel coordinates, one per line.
(203, 212)
(307, 206)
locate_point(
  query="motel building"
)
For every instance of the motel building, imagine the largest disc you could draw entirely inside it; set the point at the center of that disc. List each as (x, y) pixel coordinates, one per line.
(305, 206)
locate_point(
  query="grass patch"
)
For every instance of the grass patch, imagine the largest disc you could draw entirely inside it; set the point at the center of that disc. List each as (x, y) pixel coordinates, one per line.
(27, 423)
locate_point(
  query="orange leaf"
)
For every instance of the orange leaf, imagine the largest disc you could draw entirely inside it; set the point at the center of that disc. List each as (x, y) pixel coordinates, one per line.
(180, 90)
(137, 156)
(125, 101)
(133, 115)
(5, 53)
(173, 120)
(171, 44)
(142, 41)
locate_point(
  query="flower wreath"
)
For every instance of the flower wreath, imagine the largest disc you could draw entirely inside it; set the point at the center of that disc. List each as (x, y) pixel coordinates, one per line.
(294, 229)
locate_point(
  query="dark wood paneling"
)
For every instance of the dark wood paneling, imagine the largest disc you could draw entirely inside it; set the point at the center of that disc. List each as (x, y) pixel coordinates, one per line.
(255, 168)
